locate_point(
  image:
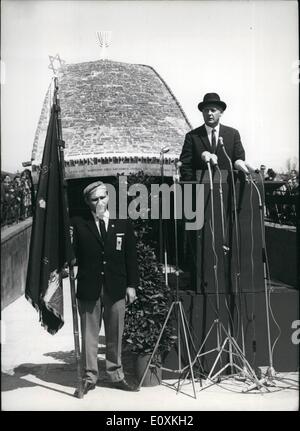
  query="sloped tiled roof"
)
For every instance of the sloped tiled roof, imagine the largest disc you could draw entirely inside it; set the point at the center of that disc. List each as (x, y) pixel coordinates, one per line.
(111, 109)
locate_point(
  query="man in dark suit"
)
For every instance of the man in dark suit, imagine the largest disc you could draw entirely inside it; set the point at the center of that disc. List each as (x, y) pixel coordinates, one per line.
(205, 139)
(107, 278)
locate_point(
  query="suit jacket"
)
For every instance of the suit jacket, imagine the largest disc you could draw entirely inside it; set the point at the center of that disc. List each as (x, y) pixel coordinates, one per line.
(196, 142)
(112, 263)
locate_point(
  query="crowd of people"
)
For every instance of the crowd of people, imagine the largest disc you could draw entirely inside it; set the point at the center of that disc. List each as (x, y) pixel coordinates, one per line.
(290, 179)
(282, 201)
(17, 197)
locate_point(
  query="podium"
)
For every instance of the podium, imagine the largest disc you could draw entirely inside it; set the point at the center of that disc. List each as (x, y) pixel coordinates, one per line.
(200, 255)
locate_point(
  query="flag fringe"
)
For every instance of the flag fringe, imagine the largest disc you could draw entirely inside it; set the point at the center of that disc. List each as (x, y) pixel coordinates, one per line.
(49, 330)
(52, 310)
(49, 308)
(37, 308)
(56, 314)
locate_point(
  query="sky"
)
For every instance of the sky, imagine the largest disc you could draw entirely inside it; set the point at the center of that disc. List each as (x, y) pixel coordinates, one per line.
(246, 51)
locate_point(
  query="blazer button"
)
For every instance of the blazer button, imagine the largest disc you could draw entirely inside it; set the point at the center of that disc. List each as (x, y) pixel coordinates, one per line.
(102, 273)
(104, 262)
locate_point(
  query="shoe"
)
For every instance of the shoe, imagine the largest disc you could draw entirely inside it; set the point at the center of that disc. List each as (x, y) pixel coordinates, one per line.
(86, 386)
(124, 386)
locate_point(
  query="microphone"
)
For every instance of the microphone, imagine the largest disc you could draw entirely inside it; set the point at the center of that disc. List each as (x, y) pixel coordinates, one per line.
(240, 165)
(214, 160)
(176, 176)
(208, 157)
(205, 156)
(245, 167)
(251, 169)
(164, 150)
(221, 143)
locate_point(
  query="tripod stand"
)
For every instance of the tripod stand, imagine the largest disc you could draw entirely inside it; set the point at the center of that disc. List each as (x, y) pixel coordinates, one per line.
(270, 377)
(243, 375)
(178, 309)
(225, 341)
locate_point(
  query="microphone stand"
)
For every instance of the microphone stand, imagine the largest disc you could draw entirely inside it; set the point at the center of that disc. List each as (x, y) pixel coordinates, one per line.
(181, 318)
(162, 234)
(225, 249)
(269, 378)
(238, 272)
(233, 347)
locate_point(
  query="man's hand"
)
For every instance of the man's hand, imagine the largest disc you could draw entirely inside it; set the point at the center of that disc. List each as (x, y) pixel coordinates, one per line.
(130, 295)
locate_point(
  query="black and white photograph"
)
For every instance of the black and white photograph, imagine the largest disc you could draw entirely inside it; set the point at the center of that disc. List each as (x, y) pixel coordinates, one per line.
(149, 208)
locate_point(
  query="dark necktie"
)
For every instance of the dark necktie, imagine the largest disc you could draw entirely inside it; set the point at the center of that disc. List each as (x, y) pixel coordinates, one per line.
(213, 141)
(102, 228)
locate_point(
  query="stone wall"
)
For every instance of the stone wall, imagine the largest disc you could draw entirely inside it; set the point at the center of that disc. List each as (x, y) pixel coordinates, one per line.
(15, 241)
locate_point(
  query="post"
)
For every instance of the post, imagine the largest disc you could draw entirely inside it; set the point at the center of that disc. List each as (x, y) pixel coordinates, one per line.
(79, 390)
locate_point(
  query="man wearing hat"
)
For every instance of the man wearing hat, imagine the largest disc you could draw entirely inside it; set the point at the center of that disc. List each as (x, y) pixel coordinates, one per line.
(107, 279)
(206, 139)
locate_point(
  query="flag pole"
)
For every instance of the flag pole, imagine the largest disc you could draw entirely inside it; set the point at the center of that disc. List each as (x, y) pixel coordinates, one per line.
(61, 144)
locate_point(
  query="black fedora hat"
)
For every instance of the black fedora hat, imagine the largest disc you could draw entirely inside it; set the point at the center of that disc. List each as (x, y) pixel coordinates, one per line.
(211, 99)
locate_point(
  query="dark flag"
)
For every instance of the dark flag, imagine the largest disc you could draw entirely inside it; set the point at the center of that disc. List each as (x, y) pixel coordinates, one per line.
(50, 245)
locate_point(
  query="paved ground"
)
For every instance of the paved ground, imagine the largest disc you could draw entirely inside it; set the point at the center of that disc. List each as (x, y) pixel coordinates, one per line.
(39, 371)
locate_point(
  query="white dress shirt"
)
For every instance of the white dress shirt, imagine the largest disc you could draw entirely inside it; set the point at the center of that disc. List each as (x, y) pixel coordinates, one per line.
(209, 130)
(105, 218)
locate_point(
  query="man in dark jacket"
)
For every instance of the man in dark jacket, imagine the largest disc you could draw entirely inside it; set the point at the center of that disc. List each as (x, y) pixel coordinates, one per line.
(107, 278)
(205, 139)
